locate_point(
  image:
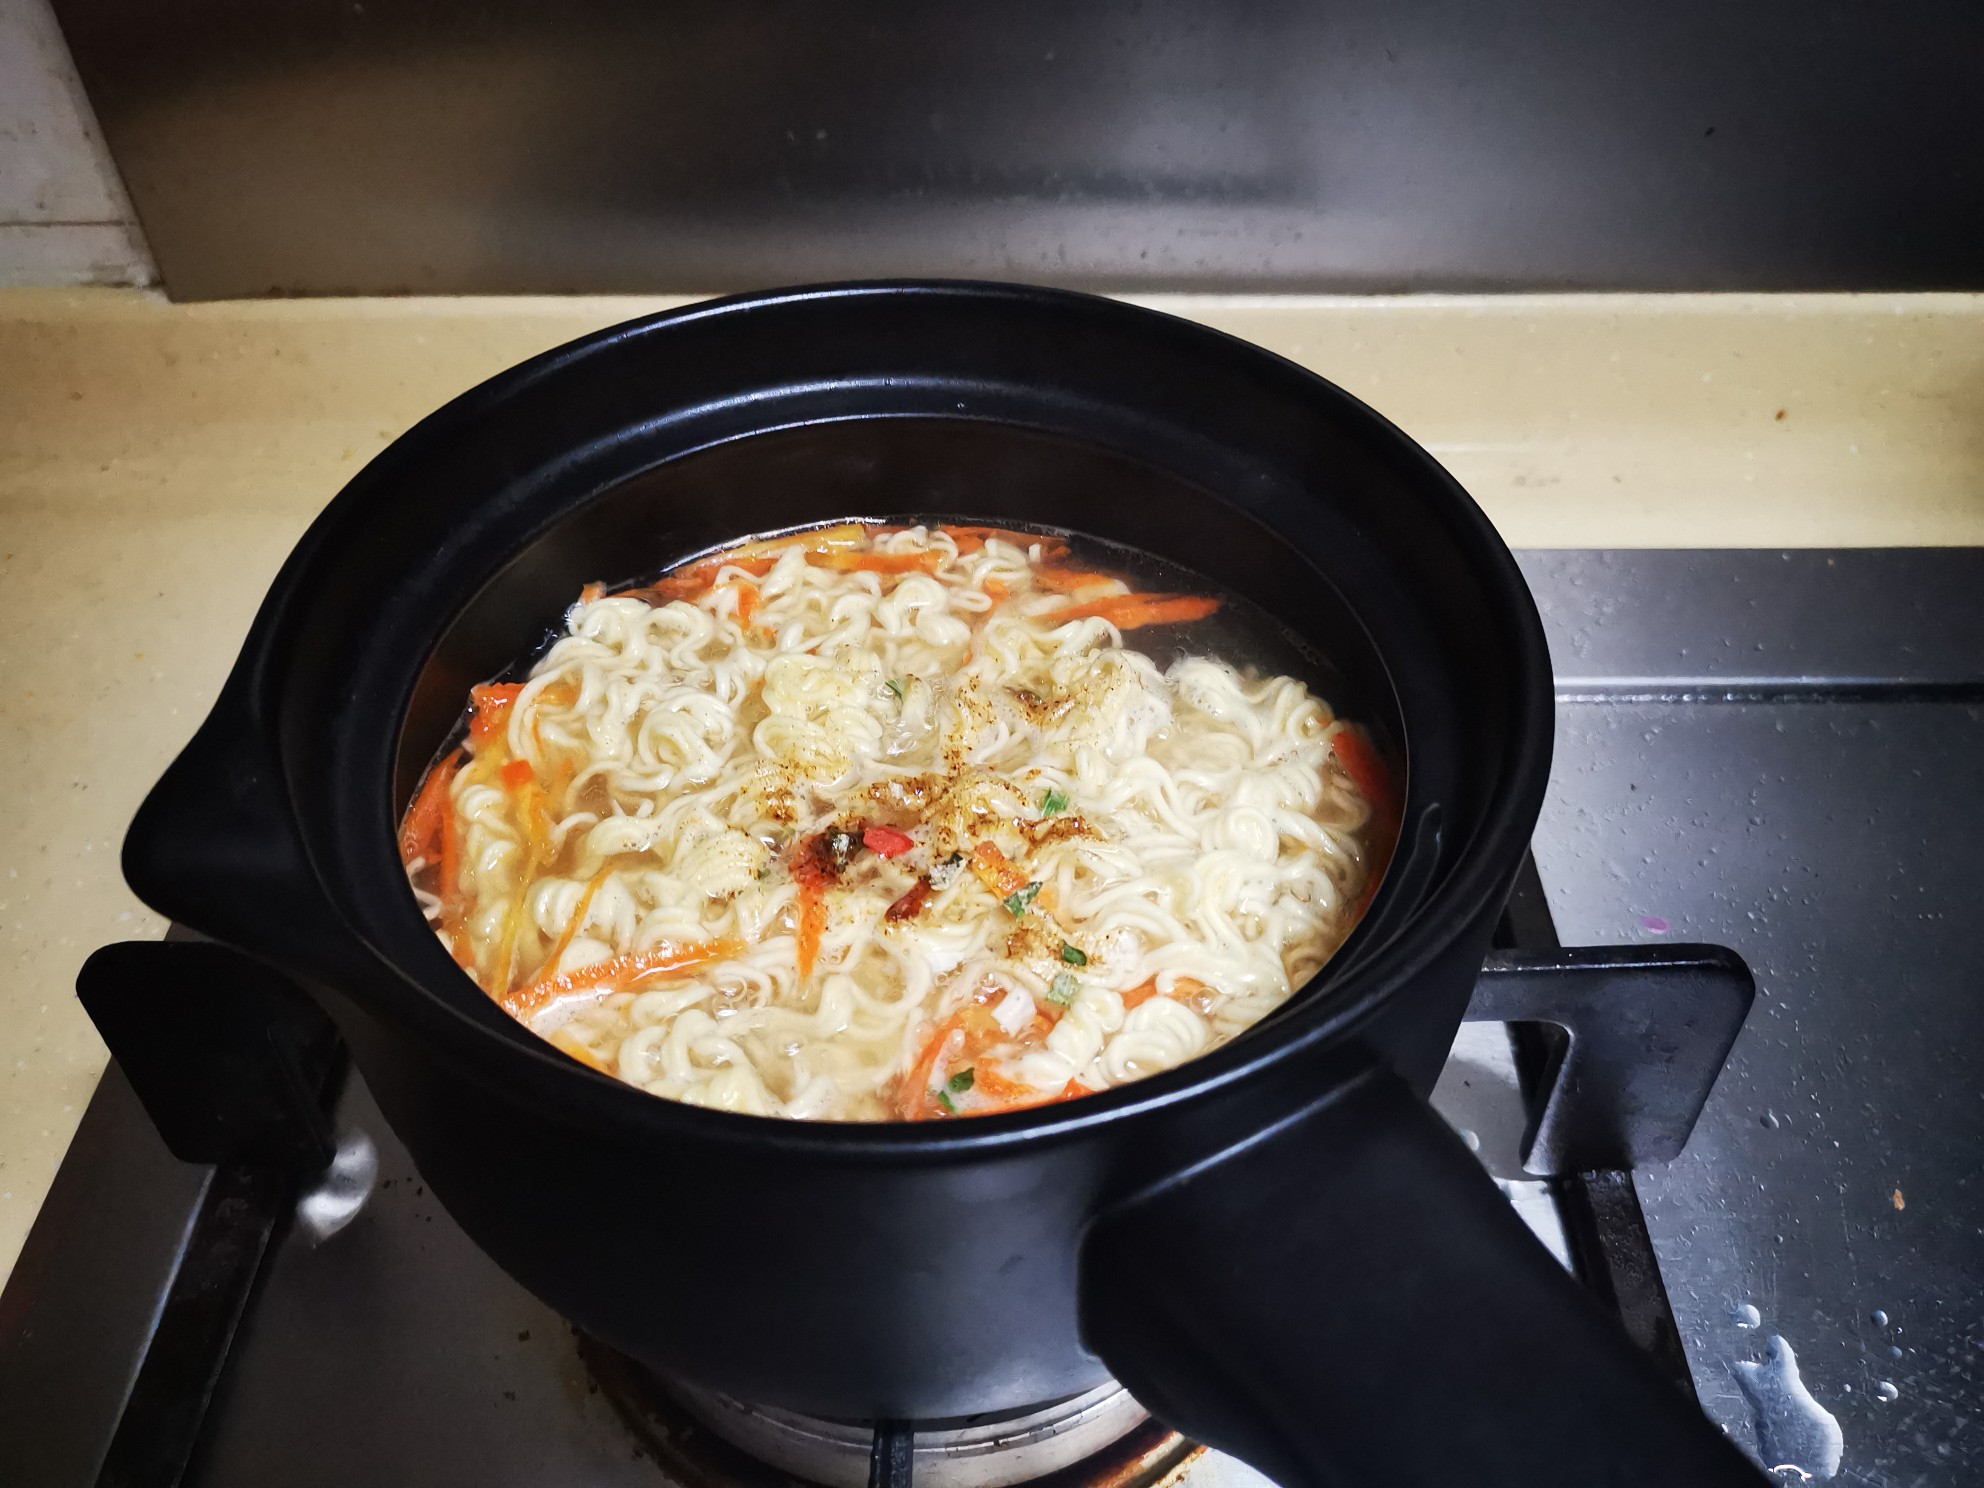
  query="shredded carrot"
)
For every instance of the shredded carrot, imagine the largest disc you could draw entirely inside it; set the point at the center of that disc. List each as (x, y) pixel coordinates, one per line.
(996, 871)
(516, 774)
(1068, 580)
(913, 1100)
(996, 590)
(812, 921)
(578, 918)
(451, 872)
(1068, 1091)
(881, 563)
(493, 702)
(420, 833)
(989, 1083)
(971, 539)
(755, 558)
(1372, 777)
(1129, 611)
(1375, 782)
(747, 602)
(621, 973)
(591, 592)
(1145, 990)
(695, 580)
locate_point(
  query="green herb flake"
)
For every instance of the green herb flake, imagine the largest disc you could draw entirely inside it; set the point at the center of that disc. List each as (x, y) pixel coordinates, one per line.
(1017, 901)
(1053, 803)
(944, 1100)
(1061, 991)
(894, 684)
(1073, 955)
(959, 1083)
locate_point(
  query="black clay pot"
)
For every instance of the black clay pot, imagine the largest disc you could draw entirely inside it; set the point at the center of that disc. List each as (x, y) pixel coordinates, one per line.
(1277, 1246)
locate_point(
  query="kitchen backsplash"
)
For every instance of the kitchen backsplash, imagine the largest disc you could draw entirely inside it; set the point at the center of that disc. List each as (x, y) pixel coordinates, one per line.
(64, 218)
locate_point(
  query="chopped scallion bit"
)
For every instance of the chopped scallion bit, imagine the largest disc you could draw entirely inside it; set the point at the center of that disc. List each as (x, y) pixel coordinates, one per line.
(1017, 901)
(944, 1100)
(1052, 803)
(894, 684)
(1073, 955)
(1061, 991)
(959, 1083)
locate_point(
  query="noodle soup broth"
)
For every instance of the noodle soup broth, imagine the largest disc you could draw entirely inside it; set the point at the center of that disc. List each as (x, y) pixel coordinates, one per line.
(871, 822)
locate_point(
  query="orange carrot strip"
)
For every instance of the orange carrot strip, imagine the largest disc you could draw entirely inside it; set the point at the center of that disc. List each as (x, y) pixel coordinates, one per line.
(1369, 773)
(1129, 611)
(621, 972)
(747, 602)
(1025, 1098)
(996, 591)
(1069, 1091)
(1145, 990)
(989, 1083)
(591, 592)
(996, 871)
(756, 558)
(812, 920)
(420, 832)
(695, 580)
(578, 918)
(516, 774)
(971, 539)
(451, 872)
(493, 701)
(881, 563)
(1067, 580)
(1374, 780)
(913, 1099)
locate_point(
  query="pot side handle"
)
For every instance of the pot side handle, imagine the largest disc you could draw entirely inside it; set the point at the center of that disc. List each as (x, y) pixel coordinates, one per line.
(215, 845)
(1349, 1299)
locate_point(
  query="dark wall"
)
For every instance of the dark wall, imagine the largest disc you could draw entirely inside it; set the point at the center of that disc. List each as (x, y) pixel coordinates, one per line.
(334, 146)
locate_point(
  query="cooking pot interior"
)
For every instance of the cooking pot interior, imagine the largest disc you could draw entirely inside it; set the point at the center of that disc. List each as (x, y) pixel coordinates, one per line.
(908, 469)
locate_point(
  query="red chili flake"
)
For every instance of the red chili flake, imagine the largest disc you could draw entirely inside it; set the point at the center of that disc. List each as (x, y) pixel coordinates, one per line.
(911, 903)
(887, 841)
(824, 856)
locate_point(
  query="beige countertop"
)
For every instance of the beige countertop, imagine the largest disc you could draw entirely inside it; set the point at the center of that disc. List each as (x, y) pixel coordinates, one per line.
(158, 461)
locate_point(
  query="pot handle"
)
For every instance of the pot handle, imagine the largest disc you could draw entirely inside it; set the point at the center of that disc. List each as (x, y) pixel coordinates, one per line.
(215, 846)
(1349, 1299)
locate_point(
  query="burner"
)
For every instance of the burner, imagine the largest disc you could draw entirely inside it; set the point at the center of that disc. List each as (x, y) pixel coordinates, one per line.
(702, 1439)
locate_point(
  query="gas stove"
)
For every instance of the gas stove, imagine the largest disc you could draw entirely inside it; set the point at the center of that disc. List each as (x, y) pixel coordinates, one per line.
(327, 1323)
(240, 1325)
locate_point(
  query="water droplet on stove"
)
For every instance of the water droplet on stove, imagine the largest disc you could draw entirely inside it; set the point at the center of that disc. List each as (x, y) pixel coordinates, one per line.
(1769, 1119)
(1894, 1351)
(1886, 1390)
(1880, 1317)
(1793, 1429)
(1746, 1315)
